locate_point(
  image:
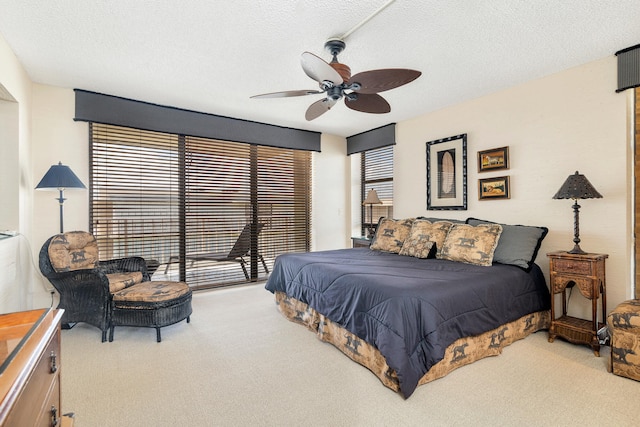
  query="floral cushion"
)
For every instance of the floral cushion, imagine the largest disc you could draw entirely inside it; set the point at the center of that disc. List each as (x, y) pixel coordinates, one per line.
(471, 245)
(624, 326)
(154, 291)
(74, 250)
(424, 237)
(390, 234)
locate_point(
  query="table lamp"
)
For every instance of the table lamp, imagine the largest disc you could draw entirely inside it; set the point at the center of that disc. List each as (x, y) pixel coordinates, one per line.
(577, 186)
(372, 199)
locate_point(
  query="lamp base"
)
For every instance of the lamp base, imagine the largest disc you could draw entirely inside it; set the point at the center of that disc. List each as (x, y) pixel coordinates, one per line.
(577, 251)
(371, 233)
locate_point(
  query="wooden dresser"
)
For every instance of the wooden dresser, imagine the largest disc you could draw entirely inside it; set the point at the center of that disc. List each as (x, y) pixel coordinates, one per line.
(30, 370)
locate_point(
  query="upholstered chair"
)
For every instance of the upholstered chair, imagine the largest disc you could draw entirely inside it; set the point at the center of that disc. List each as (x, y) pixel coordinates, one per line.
(85, 283)
(624, 327)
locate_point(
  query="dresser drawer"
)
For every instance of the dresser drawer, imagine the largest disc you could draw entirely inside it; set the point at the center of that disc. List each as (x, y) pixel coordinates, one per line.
(50, 409)
(41, 389)
(572, 266)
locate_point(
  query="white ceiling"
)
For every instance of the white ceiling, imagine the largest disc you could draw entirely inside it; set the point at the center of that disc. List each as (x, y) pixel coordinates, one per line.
(212, 55)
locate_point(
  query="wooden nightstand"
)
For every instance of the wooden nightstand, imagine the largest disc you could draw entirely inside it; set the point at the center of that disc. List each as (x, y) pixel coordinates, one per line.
(587, 273)
(360, 242)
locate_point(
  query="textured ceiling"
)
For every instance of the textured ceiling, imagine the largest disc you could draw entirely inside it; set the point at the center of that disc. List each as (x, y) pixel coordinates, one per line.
(212, 55)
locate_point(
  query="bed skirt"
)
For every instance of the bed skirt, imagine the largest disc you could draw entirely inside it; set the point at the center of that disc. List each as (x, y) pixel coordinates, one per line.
(462, 352)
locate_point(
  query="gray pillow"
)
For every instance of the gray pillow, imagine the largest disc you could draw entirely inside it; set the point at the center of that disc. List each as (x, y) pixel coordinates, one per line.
(518, 244)
(455, 221)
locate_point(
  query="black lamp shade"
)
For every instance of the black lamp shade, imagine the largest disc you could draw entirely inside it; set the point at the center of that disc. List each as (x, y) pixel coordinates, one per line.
(577, 186)
(60, 177)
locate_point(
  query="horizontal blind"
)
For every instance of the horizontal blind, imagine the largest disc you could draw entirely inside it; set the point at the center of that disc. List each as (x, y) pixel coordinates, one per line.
(377, 173)
(283, 202)
(184, 201)
(217, 200)
(134, 192)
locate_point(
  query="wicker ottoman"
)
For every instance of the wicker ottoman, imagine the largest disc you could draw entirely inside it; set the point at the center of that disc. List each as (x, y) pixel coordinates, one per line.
(624, 326)
(151, 304)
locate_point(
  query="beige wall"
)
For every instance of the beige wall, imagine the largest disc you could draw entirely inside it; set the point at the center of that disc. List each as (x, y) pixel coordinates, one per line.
(569, 121)
(554, 126)
(331, 195)
(16, 273)
(57, 138)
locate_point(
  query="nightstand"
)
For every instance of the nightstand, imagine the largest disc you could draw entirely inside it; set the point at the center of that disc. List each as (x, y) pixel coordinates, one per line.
(587, 273)
(360, 242)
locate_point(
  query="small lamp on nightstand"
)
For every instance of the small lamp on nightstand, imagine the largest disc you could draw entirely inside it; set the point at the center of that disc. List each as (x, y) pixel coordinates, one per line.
(577, 186)
(372, 199)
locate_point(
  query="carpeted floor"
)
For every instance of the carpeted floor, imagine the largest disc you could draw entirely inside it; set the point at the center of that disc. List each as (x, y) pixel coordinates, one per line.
(240, 363)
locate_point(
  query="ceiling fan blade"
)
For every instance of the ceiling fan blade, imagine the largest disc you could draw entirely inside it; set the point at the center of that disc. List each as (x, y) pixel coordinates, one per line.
(287, 94)
(375, 81)
(368, 103)
(318, 108)
(318, 69)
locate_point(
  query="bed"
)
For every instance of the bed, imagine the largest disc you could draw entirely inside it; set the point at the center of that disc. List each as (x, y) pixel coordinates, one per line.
(411, 319)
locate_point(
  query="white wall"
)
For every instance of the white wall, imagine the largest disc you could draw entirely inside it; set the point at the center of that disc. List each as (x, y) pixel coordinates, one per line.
(553, 126)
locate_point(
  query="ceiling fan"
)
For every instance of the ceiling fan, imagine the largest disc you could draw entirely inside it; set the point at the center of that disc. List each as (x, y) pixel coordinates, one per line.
(360, 92)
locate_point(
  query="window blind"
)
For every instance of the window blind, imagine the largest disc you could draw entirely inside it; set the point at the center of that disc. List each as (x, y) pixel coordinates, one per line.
(174, 198)
(377, 173)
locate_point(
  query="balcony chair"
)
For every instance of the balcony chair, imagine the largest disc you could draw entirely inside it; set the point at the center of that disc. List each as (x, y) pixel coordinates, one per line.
(238, 252)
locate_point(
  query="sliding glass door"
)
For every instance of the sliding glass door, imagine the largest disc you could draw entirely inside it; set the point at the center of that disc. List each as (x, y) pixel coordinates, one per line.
(208, 212)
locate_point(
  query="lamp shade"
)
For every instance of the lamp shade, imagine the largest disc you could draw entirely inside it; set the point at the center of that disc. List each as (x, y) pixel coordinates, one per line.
(577, 186)
(59, 177)
(372, 198)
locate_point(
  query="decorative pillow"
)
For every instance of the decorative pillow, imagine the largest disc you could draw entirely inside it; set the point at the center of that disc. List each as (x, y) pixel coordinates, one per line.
(390, 234)
(119, 281)
(422, 233)
(74, 250)
(471, 245)
(518, 244)
(418, 246)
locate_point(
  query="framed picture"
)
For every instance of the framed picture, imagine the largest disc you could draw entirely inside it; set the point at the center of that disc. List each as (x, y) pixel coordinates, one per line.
(494, 188)
(497, 158)
(447, 173)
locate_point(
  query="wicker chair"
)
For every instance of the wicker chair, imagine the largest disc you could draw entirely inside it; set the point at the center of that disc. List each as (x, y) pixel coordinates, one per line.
(70, 261)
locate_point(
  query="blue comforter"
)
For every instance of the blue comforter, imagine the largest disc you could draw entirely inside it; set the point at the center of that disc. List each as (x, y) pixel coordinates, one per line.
(410, 309)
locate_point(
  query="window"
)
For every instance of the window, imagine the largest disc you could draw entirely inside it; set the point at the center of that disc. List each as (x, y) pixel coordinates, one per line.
(174, 198)
(377, 173)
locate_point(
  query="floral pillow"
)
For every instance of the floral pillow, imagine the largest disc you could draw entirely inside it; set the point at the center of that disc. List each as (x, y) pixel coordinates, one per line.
(425, 238)
(390, 234)
(471, 245)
